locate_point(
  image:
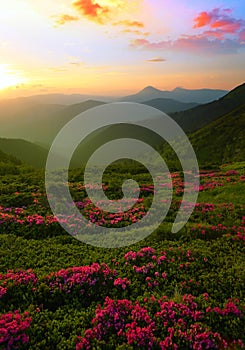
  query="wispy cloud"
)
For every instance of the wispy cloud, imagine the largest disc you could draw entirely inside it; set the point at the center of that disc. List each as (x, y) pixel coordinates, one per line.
(128, 23)
(242, 36)
(156, 60)
(135, 32)
(62, 19)
(189, 43)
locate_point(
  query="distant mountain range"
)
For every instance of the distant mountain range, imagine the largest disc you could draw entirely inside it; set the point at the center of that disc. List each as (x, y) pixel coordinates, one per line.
(198, 96)
(39, 118)
(168, 105)
(58, 99)
(179, 94)
(216, 129)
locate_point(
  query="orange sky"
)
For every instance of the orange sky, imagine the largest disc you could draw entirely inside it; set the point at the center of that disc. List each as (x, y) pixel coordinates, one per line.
(120, 46)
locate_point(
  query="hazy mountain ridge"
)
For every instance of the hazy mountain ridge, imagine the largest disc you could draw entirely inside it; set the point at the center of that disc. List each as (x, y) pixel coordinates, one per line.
(168, 105)
(39, 123)
(198, 117)
(148, 93)
(60, 99)
(198, 96)
(219, 125)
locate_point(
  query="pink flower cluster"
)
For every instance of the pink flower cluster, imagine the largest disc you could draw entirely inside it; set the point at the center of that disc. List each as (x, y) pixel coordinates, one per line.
(219, 179)
(153, 267)
(12, 329)
(81, 277)
(17, 278)
(133, 214)
(20, 216)
(230, 308)
(238, 232)
(122, 282)
(160, 324)
(210, 185)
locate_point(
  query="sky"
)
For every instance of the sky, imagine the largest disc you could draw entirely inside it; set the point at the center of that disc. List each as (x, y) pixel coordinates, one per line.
(117, 47)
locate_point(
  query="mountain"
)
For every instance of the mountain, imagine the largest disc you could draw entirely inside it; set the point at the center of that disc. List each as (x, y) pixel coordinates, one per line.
(38, 123)
(198, 96)
(60, 99)
(168, 105)
(26, 120)
(182, 95)
(223, 140)
(196, 118)
(25, 151)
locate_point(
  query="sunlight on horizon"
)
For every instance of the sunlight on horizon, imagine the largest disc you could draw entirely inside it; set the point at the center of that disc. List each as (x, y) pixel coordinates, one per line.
(10, 78)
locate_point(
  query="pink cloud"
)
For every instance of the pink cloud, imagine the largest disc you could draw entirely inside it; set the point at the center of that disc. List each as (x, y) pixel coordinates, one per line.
(242, 36)
(202, 19)
(189, 43)
(218, 34)
(223, 34)
(227, 26)
(219, 19)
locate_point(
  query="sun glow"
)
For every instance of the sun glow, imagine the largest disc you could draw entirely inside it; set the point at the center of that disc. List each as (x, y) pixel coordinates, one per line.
(9, 77)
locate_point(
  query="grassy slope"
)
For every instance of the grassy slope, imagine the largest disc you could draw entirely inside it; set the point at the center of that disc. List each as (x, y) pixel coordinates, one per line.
(198, 117)
(222, 140)
(27, 152)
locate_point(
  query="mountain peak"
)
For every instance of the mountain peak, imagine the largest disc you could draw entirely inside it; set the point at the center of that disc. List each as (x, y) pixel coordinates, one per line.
(150, 89)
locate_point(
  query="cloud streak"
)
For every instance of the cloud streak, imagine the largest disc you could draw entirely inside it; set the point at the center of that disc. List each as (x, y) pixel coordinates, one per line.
(128, 23)
(135, 32)
(156, 60)
(189, 43)
(63, 19)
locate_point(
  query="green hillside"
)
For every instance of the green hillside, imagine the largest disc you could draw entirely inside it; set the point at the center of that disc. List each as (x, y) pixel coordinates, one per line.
(25, 151)
(219, 142)
(10, 165)
(196, 118)
(223, 140)
(169, 105)
(38, 123)
(5, 158)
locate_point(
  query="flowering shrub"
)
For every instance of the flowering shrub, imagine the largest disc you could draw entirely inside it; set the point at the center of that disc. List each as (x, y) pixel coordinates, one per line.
(210, 232)
(87, 283)
(17, 286)
(168, 292)
(160, 324)
(13, 326)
